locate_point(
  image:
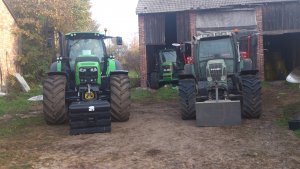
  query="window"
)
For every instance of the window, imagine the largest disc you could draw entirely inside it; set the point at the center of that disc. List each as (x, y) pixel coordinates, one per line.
(168, 56)
(85, 47)
(221, 48)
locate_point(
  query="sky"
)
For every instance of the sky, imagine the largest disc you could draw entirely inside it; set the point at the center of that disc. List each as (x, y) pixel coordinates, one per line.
(118, 16)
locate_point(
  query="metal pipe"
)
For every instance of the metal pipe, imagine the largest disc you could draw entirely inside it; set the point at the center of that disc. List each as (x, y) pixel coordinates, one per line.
(249, 45)
(217, 92)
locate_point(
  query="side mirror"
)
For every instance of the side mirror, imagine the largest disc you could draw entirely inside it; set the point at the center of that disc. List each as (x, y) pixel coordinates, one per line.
(119, 40)
(49, 43)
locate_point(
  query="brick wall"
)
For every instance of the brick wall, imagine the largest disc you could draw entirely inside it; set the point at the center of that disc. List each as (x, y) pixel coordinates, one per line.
(193, 18)
(8, 44)
(143, 61)
(260, 43)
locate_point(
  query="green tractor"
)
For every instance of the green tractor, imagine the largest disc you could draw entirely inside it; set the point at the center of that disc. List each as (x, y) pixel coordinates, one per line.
(167, 68)
(85, 86)
(221, 79)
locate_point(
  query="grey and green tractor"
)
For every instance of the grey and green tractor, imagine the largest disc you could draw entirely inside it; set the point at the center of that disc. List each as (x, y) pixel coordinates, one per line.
(222, 84)
(85, 86)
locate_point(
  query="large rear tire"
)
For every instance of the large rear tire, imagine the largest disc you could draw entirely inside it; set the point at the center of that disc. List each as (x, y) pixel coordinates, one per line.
(154, 81)
(120, 97)
(187, 96)
(252, 100)
(54, 105)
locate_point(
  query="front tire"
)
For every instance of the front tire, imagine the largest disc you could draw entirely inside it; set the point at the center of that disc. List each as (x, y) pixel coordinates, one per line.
(187, 96)
(54, 105)
(252, 100)
(154, 81)
(120, 97)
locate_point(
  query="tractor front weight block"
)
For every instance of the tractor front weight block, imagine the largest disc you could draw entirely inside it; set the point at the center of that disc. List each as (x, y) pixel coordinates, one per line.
(89, 117)
(218, 113)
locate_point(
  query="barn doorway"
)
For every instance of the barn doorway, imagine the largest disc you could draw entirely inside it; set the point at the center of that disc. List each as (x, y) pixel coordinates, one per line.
(282, 55)
(170, 29)
(152, 53)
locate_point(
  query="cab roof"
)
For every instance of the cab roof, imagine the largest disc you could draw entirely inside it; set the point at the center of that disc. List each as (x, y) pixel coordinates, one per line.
(85, 35)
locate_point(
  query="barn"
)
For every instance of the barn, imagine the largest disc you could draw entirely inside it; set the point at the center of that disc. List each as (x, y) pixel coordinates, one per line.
(277, 23)
(9, 44)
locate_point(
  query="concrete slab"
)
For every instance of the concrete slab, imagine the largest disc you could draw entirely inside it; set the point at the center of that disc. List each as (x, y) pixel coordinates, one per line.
(23, 83)
(36, 98)
(214, 114)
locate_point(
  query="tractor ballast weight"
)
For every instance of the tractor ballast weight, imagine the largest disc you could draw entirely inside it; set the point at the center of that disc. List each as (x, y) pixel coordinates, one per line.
(85, 86)
(221, 85)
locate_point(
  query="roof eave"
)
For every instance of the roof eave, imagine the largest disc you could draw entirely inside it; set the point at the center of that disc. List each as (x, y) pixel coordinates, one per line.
(9, 9)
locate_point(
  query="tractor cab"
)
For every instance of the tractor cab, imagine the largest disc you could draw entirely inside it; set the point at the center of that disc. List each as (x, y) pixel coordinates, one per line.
(216, 56)
(85, 45)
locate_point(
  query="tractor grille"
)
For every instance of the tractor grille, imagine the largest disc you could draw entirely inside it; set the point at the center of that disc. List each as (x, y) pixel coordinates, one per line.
(89, 76)
(167, 69)
(215, 71)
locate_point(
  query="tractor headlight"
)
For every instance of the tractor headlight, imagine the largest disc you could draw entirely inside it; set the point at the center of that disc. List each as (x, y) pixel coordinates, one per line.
(82, 70)
(93, 69)
(223, 78)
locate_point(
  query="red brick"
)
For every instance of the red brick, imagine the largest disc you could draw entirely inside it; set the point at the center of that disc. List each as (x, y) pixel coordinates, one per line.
(143, 61)
(260, 43)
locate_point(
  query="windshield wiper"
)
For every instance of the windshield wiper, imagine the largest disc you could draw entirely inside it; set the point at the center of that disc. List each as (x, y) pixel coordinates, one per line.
(75, 43)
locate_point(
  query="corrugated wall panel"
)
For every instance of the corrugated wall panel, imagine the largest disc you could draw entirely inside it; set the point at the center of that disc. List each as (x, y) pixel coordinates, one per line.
(155, 29)
(226, 20)
(281, 18)
(183, 27)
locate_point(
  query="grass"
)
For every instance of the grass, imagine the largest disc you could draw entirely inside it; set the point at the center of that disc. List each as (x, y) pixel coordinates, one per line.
(140, 94)
(164, 93)
(133, 74)
(17, 102)
(18, 126)
(265, 85)
(288, 112)
(292, 86)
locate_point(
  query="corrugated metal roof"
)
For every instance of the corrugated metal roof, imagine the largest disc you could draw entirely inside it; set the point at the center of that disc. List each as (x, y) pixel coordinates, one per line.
(158, 6)
(7, 4)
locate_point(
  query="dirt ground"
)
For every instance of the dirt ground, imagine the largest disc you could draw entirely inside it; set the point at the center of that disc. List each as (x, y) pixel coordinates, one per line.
(156, 137)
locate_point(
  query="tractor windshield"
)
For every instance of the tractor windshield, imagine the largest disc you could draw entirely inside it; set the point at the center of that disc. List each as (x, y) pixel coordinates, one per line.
(221, 48)
(210, 49)
(85, 47)
(168, 56)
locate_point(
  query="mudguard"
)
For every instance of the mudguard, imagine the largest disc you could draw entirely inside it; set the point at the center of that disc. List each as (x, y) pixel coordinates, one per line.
(249, 72)
(54, 70)
(117, 72)
(187, 73)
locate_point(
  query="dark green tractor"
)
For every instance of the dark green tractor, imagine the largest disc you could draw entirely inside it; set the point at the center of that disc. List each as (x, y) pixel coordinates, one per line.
(167, 66)
(85, 86)
(221, 73)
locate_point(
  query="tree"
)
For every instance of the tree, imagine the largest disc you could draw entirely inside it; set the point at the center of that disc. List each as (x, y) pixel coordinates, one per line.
(132, 59)
(36, 19)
